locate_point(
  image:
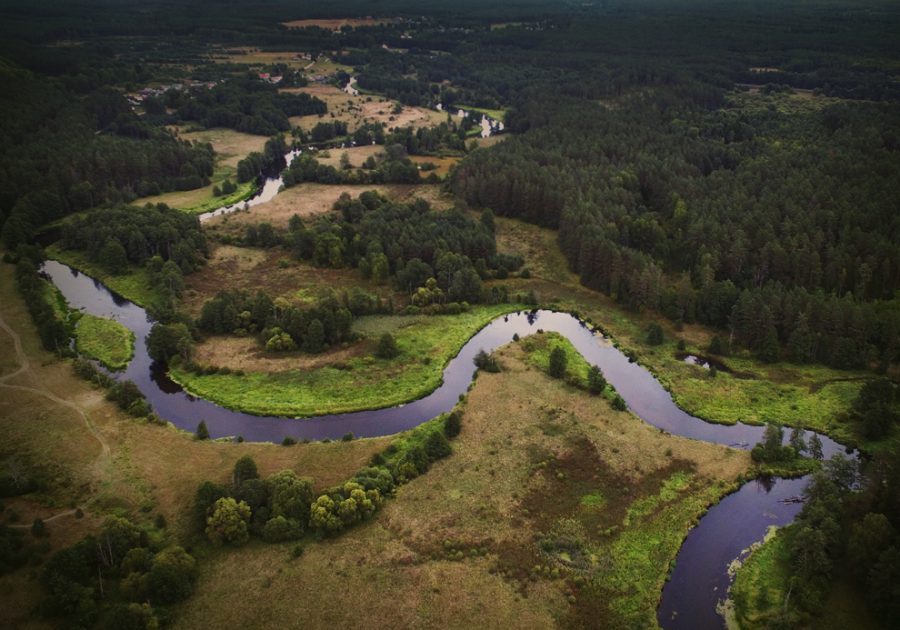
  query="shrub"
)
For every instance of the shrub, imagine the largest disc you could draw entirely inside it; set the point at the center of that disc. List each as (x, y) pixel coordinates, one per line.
(228, 522)
(202, 432)
(452, 424)
(654, 334)
(486, 362)
(172, 575)
(288, 441)
(280, 529)
(558, 361)
(618, 403)
(244, 470)
(387, 347)
(437, 446)
(596, 381)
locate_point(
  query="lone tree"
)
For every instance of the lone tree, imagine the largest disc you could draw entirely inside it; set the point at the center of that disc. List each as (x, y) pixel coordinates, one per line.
(486, 362)
(452, 424)
(387, 347)
(596, 382)
(815, 447)
(654, 334)
(202, 432)
(244, 470)
(558, 362)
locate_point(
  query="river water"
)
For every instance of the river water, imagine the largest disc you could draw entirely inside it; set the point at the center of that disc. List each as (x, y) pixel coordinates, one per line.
(699, 579)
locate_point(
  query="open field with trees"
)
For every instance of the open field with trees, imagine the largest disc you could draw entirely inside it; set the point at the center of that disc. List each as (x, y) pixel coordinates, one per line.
(344, 383)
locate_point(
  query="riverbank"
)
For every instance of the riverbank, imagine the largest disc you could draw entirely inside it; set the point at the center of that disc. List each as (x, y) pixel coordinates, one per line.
(553, 509)
(352, 383)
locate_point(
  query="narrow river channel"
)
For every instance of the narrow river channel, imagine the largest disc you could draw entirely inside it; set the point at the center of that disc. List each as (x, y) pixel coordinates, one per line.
(699, 579)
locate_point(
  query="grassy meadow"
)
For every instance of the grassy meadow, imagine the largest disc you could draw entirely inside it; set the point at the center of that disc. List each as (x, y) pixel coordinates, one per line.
(554, 509)
(103, 339)
(426, 344)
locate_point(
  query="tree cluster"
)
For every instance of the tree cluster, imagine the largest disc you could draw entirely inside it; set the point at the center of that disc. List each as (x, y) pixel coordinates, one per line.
(846, 529)
(249, 105)
(119, 573)
(118, 237)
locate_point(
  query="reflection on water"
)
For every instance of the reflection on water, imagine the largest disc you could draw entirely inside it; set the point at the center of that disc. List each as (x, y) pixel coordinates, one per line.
(699, 579)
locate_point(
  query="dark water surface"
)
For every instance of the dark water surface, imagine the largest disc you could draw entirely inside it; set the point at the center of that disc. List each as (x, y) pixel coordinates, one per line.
(700, 577)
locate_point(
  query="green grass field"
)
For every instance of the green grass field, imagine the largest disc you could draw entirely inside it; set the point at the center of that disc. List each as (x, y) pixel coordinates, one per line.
(135, 285)
(426, 343)
(106, 340)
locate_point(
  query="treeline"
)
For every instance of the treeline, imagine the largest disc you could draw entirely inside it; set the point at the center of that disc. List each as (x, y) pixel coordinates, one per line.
(846, 530)
(284, 326)
(249, 105)
(118, 237)
(122, 577)
(745, 220)
(55, 332)
(60, 154)
(408, 242)
(257, 164)
(284, 506)
(395, 168)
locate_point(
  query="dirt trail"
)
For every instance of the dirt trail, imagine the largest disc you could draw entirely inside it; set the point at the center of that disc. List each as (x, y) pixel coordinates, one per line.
(46, 520)
(25, 368)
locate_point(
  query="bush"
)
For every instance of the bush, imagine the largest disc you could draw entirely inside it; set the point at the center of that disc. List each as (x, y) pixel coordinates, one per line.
(228, 522)
(172, 575)
(38, 528)
(618, 403)
(558, 361)
(244, 470)
(596, 381)
(437, 446)
(654, 334)
(288, 441)
(486, 362)
(387, 347)
(202, 432)
(452, 424)
(281, 529)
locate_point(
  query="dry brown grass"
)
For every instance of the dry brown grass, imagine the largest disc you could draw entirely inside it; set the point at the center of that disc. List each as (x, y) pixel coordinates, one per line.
(356, 155)
(232, 267)
(147, 469)
(491, 495)
(246, 353)
(444, 164)
(489, 141)
(311, 199)
(360, 109)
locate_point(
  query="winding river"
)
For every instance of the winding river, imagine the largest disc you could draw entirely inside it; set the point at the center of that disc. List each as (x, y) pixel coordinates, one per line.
(699, 579)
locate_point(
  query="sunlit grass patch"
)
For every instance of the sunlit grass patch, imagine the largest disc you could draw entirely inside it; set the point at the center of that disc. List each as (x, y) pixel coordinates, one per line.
(426, 344)
(106, 340)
